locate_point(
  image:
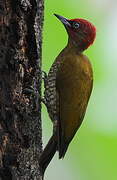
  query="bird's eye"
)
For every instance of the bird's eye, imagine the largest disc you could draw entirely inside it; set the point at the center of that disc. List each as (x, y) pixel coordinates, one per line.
(76, 25)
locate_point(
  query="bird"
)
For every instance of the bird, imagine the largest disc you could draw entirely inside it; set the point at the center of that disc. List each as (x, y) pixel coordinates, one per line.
(68, 87)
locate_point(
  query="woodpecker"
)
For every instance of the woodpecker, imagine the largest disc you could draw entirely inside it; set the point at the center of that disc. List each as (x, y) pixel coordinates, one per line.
(68, 88)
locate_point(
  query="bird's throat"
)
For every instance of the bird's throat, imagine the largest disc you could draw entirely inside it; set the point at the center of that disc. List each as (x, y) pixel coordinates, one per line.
(79, 46)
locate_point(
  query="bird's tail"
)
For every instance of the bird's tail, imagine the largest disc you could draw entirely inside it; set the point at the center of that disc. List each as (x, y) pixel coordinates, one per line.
(47, 154)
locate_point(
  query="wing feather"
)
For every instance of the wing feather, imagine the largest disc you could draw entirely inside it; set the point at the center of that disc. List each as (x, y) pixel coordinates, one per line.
(73, 90)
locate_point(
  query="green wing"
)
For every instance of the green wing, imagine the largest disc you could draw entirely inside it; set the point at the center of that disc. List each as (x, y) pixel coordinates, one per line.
(73, 89)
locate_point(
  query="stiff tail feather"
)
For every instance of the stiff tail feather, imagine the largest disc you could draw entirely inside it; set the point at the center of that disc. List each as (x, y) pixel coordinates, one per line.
(47, 154)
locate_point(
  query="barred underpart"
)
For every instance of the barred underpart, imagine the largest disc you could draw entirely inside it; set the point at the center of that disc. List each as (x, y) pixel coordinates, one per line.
(50, 93)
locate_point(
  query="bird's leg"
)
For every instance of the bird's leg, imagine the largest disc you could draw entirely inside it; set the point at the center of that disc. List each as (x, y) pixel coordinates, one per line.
(30, 90)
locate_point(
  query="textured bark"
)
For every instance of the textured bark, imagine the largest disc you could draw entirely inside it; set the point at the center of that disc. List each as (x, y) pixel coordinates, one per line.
(21, 23)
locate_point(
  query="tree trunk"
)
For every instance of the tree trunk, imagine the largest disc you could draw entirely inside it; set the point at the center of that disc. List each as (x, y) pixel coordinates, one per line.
(21, 23)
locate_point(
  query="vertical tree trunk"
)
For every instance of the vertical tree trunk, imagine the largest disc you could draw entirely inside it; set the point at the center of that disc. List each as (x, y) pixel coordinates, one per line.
(21, 24)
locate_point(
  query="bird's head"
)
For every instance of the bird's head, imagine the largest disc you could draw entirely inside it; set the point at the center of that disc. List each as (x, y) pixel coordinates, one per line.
(80, 31)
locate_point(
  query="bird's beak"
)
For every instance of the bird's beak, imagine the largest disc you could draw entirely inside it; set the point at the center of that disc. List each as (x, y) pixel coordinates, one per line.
(63, 20)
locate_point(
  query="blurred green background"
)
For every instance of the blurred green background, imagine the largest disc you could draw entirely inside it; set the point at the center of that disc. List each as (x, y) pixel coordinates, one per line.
(92, 155)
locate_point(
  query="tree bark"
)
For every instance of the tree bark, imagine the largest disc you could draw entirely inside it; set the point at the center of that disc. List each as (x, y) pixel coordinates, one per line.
(21, 23)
